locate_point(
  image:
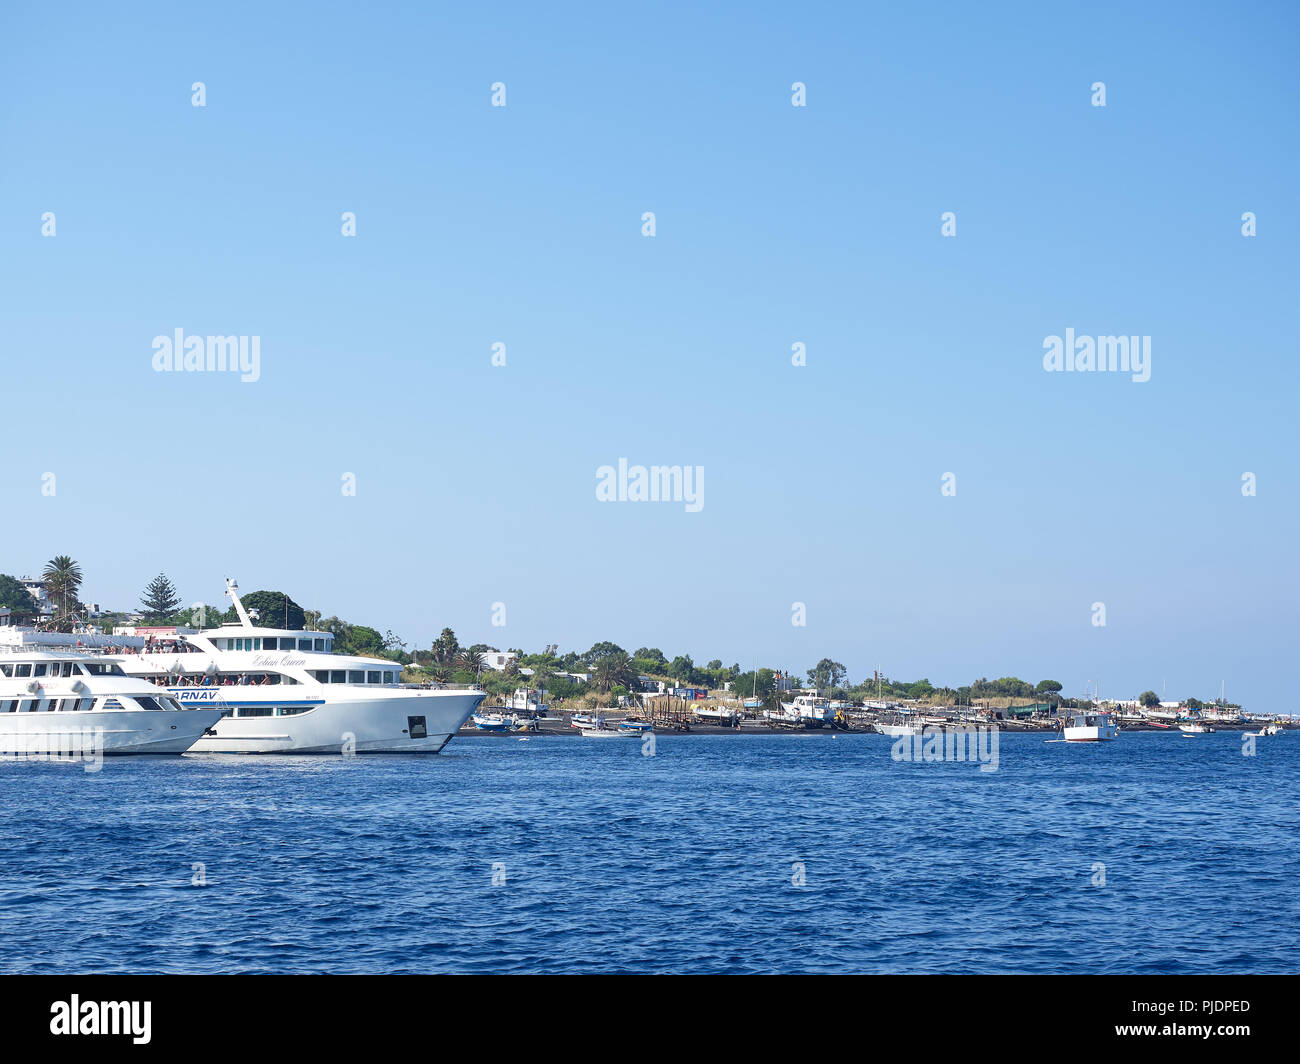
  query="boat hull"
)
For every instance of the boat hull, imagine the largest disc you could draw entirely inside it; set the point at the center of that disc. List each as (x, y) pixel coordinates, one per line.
(405, 722)
(1089, 735)
(112, 732)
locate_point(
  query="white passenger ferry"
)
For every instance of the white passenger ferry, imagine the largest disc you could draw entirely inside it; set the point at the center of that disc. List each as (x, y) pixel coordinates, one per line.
(53, 702)
(286, 691)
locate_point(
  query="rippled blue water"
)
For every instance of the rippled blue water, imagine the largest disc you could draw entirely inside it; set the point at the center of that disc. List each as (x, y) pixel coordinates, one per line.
(680, 862)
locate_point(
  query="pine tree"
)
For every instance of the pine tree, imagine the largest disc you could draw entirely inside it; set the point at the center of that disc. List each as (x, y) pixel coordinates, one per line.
(160, 597)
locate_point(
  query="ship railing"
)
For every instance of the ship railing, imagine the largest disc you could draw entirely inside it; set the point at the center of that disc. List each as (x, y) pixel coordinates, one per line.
(433, 686)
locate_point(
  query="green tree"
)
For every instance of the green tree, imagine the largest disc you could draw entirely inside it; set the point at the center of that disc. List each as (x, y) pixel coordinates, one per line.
(62, 578)
(651, 659)
(1048, 687)
(601, 651)
(160, 597)
(615, 670)
(445, 648)
(364, 642)
(826, 673)
(274, 609)
(17, 598)
(1149, 699)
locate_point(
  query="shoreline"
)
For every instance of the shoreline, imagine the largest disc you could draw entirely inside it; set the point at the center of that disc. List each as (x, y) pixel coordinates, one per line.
(557, 726)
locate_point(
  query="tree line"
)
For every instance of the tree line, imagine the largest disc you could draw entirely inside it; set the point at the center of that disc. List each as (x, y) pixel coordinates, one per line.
(610, 669)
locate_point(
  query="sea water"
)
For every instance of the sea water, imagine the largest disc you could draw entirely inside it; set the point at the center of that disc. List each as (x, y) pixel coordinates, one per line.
(801, 853)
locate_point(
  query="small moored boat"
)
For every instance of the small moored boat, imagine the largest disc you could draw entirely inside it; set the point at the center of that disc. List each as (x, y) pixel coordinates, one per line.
(1089, 728)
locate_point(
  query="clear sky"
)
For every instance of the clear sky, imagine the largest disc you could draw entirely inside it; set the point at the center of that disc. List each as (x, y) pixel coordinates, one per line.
(775, 225)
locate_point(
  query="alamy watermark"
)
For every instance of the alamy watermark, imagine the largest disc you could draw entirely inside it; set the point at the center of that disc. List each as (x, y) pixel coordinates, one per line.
(684, 484)
(1089, 354)
(85, 745)
(974, 744)
(179, 353)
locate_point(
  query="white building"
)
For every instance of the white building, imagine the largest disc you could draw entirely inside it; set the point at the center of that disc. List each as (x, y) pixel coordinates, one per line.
(498, 660)
(36, 588)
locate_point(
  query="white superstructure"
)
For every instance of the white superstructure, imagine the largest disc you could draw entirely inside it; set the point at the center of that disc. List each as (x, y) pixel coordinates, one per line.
(78, 704)
(286, 691)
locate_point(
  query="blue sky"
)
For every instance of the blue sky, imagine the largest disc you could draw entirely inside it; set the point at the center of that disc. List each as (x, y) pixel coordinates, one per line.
(774, 225)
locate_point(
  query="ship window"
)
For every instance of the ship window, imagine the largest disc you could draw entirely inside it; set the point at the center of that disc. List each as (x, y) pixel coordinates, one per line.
(304, 644)
(373, 677)
(322, 675)
(6, 670)
(390, 677)
(292, 711)
(356, 676)
(255, 711)
(338, 676)
(40, 670)
(22, 670)
(318, 644)
(30, 705)
(145, 702)
(9, 707)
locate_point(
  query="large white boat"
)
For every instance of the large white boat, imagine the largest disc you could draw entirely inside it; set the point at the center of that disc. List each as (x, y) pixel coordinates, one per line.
(286, 691)
(53, 702)
(807, 711)
(1089, 728)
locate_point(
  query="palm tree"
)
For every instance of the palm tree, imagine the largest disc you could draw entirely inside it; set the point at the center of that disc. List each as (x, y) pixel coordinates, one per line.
(62, 578)
(469, 660)
(616, 670)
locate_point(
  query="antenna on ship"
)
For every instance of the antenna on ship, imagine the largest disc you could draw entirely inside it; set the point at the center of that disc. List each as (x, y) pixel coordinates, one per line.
(232, 589)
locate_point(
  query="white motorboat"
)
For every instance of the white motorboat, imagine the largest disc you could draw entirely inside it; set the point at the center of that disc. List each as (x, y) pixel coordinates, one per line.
(724, 716)
(77, 705)
(894, 731)
(1194, 728)
(806, 711)
(1089, 728)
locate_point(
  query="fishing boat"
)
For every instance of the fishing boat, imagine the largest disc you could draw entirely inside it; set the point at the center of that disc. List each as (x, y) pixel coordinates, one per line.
(586, 720)
(1269, 729)
(525, 701)
(601, 733)
(1082, 727)
(723, 716)
(896, 730)
(492, 722)
(635, 726)
(806, 711)
(1194, 728)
